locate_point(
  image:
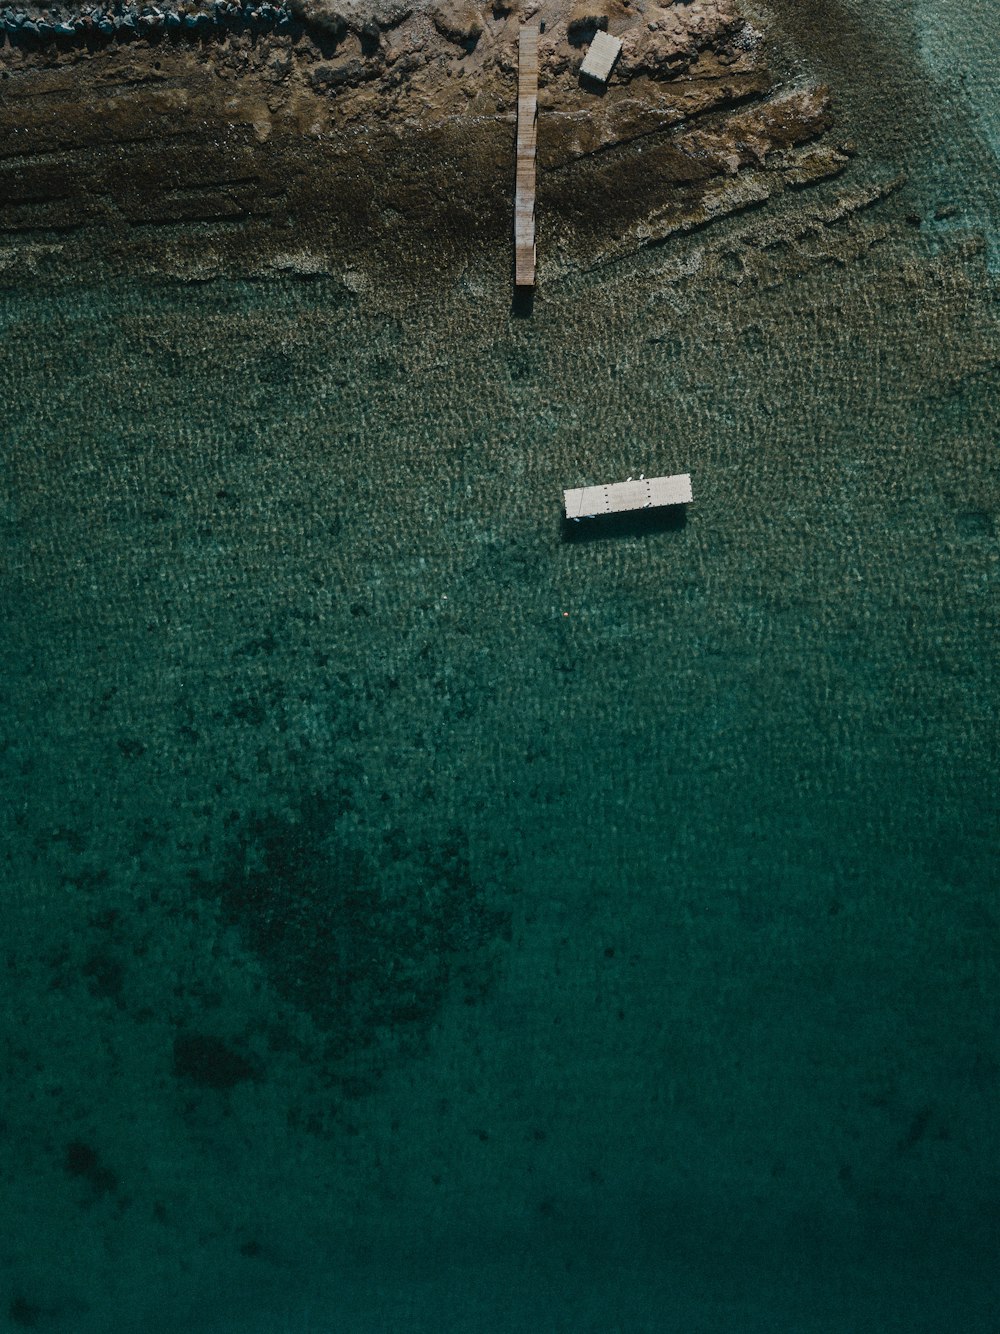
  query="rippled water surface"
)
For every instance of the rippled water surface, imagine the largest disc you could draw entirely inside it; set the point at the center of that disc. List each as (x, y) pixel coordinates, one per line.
(420, 916)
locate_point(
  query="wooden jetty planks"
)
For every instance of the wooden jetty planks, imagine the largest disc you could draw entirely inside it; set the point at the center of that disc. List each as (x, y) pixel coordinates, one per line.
(587, 502)
(527, 139)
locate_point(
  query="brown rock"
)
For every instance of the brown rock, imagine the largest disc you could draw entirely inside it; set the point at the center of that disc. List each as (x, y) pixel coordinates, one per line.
(458, 21)
(361, 16)
(586, 17)
(337, 73)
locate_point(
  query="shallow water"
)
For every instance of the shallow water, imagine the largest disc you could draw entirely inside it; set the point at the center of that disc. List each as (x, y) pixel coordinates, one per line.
(421, 916)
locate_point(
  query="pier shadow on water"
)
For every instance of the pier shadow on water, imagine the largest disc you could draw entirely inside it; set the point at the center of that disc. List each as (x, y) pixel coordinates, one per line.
(522, 303)
(633, 523)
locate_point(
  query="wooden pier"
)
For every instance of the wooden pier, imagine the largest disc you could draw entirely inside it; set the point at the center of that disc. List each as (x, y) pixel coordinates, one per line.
(588, 502)
(527, 138)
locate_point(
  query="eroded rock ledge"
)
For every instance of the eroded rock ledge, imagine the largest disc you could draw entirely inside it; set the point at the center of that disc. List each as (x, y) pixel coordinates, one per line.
(254, 139)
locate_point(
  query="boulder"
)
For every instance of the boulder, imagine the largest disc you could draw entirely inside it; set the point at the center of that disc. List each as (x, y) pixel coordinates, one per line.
(458, 21)
(335, 76)
(361, 16)
(586, 17)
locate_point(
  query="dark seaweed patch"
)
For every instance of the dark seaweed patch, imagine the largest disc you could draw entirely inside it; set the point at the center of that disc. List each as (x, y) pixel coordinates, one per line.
(366, 939)
(105, 976)
(209, 1062)
(24, 1313)
(975, 523)
(83, 1162)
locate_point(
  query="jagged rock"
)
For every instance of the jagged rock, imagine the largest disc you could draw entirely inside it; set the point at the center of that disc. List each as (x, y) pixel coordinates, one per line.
(326, 16)
(459, 22)
(360, 16)
(336, 75)
(586, 17)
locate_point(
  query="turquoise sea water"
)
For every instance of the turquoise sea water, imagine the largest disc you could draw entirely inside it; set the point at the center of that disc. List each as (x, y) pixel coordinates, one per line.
(418, 916)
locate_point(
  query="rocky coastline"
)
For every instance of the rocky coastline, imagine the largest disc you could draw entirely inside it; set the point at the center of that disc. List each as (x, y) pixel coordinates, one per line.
(333, 136)
(34, 27)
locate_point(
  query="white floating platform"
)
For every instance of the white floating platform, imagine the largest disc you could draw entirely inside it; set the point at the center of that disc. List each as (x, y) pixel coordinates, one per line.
(587, 502)
(600, 59)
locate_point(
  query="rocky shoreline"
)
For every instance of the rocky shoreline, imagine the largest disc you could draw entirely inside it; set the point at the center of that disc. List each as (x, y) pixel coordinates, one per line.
(326, 136)
(37, 26)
